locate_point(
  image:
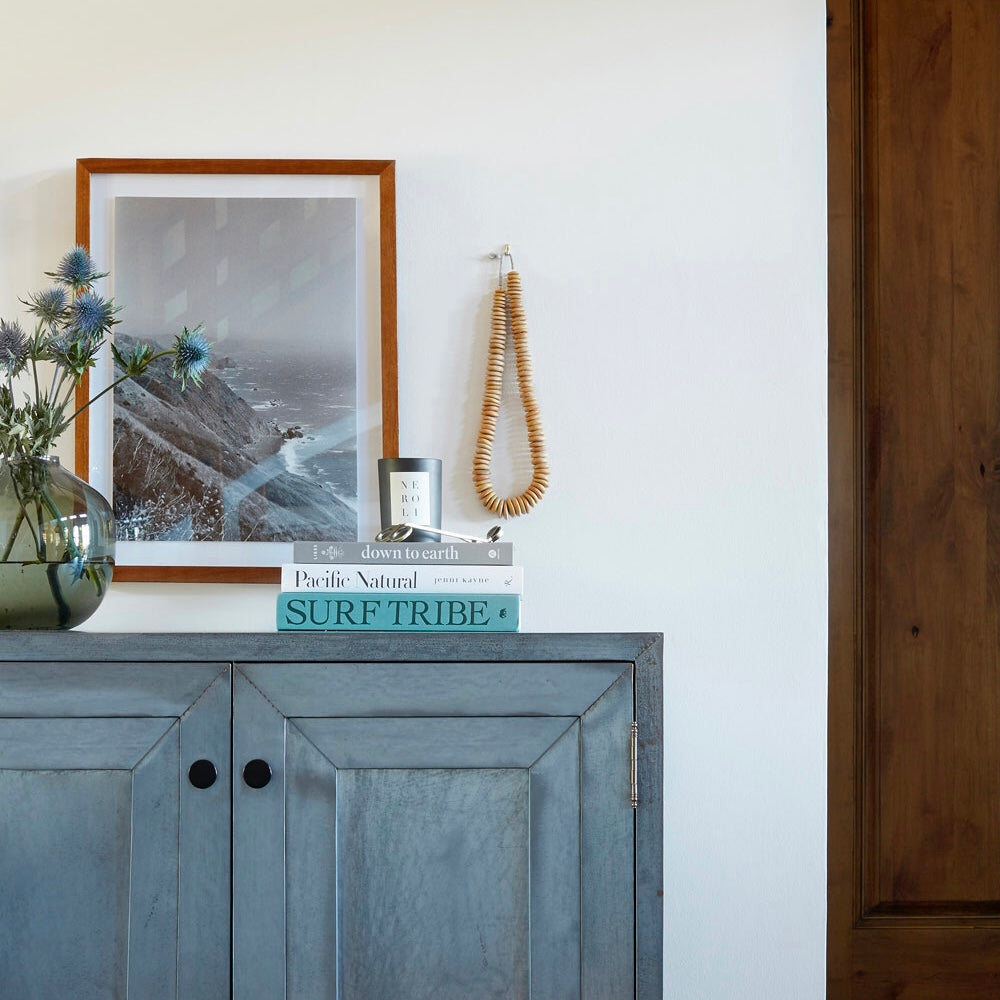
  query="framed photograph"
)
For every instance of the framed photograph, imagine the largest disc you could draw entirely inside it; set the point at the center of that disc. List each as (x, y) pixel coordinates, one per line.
(290, 268)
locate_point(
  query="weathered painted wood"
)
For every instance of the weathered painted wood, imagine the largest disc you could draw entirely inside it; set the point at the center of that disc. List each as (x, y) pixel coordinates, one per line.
(417, 743)
(65, 744)
(84, 942)
(152, 948)
(649, 823)
(290, 842)
(433, 883)
(266, 647)
(64, 883)
(555, 870)
(259, 931)
(38, 690)
(310, 870)
(607, 847)
(414, 689)
(554, 839)
(205, 854)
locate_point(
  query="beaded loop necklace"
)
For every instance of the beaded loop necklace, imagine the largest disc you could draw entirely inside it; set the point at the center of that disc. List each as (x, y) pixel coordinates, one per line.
(508, 308)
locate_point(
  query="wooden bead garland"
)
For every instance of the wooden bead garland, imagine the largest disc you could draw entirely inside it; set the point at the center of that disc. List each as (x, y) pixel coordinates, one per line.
(513, 506)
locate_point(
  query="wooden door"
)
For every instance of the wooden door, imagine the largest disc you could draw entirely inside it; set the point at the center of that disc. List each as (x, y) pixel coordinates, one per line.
(914, 156)
(448, 830)
(114, 867)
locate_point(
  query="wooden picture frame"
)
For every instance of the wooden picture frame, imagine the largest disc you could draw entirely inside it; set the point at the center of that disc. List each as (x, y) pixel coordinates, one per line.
(109, 192)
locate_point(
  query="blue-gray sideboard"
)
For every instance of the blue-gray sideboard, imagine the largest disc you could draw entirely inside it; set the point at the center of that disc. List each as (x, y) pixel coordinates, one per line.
(365, 817)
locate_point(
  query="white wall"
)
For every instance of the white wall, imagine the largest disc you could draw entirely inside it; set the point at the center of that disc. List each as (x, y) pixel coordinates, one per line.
(659, 169)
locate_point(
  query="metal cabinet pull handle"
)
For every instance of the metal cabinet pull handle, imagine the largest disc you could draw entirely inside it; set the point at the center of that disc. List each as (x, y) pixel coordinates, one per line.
(257, 773)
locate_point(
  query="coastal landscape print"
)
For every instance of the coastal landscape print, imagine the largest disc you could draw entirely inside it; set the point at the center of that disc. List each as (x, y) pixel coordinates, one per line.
(265, 450)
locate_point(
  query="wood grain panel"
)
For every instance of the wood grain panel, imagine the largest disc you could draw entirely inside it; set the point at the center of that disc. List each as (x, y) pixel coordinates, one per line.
(69, 686)
(934, 776)
(649, 825)
(258, 889)
(64, 868)
(914, 214)
(78, 744)
(88, 857)
(142, 688)
(436, 908)
(444, 856)
(428, 742)
(205, 846)
(555, 808)
(153, 889)
(96, 648)
(109, 871)
(351, 860)
(461, 687)
(607, 831)
(310, 860)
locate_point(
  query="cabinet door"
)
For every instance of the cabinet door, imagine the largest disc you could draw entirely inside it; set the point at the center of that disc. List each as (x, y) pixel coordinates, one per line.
(447, 830)
(114, 868)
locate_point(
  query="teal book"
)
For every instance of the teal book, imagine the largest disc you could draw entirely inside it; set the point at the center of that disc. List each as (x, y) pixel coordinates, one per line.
(385, 611)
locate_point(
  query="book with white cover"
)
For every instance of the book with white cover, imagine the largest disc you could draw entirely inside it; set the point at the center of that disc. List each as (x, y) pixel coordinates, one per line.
(360, 577)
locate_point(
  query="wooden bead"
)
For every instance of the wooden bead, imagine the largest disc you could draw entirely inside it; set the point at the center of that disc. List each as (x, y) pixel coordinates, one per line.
(508, 312)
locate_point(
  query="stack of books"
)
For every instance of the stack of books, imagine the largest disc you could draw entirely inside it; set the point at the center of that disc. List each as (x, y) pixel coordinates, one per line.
(401, 587)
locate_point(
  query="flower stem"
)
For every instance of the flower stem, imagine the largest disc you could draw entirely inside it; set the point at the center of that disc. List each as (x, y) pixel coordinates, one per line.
(22, 516)
(117, 382)
(59, 521)
(9, 547)
(39, 534)
(52, 572)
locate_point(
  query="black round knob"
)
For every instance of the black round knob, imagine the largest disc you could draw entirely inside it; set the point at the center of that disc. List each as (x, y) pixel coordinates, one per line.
(257, 773)
(202, 774)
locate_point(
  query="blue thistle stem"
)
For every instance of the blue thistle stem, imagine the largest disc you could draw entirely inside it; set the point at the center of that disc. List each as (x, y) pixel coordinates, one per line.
(118, 381)
(22, 517)
(52, 572)
(34, 376)
(58, 378)
(9, 547)
(64, 535)
(39, 535)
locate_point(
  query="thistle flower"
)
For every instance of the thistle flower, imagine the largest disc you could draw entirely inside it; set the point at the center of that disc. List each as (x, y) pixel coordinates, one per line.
(13, 347)
(192, 352)
(47, 305)
(91, 315)
(134, 364)
(76, 269)
(74, 326)
(74, 353)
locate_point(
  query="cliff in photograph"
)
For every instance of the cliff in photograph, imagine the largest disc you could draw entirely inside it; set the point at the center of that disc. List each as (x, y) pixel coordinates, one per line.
(206, 466)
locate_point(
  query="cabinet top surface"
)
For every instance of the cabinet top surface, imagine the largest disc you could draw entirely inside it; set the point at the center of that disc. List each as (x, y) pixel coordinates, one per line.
(277, 647)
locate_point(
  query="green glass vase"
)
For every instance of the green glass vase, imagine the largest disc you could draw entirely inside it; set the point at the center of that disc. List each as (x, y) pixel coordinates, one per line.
(57, 546)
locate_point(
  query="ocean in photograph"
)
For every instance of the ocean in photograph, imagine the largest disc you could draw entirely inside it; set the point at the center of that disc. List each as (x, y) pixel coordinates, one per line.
(309, 402)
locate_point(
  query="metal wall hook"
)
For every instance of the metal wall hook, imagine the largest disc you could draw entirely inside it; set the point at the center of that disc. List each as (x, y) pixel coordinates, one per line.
(499, 257)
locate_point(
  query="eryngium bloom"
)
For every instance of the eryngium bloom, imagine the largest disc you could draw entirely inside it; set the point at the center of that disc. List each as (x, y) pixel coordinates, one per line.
(74, 352)
(76, 269)
(13, 347)
(49, 304)
(192, 353)
(90, 315)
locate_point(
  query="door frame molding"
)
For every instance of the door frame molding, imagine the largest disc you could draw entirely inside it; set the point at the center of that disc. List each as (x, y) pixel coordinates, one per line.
(846, 295)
